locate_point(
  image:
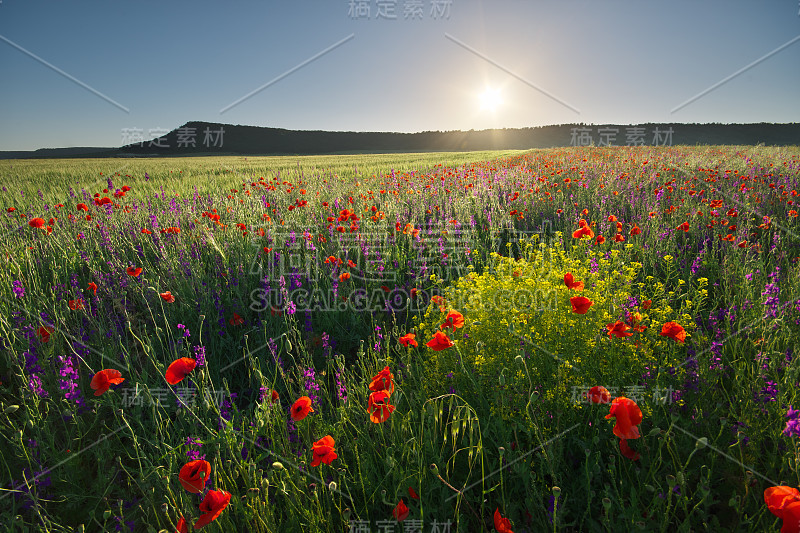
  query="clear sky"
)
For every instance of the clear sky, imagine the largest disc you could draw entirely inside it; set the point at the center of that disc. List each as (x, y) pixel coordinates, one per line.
(168, 62)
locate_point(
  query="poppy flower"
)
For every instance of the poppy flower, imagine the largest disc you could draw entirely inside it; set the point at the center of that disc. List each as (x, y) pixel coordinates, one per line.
(182, 526)
(324, 451)
(645, 305)
(194, 474)
(580, 304)
(36, 222)
(344, 277)
(179, 369)
(453, 320)
(409, 340)
(413, 493)
(167, 297)
(599, 394)
(570, 282)
(612, 218)
(400, 512)
(82, 207)
(92, 287)
(382, 381)
(413, 293)
(627, 451)
(439, 342)
(378, 407)
(628, 416)
(784, 502)
(236, 320)
(146, 231)
(619, 238)
(674, 331)
(636, 230)
(104, 379)
(440, 301)
(583, 231)
(301, 408)
(600, 239)
(134, 272)
(502, 525)
(274, 396)
(44, 333)
(618, 328)
(213, 504)
(76, 305)
(683, 227)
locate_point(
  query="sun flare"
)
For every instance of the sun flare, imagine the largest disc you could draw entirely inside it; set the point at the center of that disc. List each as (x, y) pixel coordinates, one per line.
(491, 99)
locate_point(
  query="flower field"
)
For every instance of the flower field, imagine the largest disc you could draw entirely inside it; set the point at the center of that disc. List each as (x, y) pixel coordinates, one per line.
(584, 339)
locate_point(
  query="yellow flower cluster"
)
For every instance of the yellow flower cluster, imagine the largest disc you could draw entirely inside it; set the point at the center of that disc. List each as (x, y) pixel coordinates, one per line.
(523, 308)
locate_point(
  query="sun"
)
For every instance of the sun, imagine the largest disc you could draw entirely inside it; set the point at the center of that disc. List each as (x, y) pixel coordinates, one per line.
(491, 99)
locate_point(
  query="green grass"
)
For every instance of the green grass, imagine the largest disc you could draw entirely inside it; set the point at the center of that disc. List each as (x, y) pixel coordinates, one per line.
(494, 422)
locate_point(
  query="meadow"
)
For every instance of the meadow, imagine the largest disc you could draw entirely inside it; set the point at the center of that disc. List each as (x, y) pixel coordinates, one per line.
(583, 339)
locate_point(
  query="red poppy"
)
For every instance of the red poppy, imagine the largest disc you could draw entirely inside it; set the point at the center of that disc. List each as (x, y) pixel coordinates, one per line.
(378, 407)
(213, 504)
(236, 320)
(453, 320)
(134, 272)
(274, 396)
(36, 222)
(82, 207)
(674, 331)
(784, 502)
(627, 451)
(44, 333)
(599, 394)
(580, 304)
(182, 526)
(382, 381)
(600, 239)
(440, 301)
(619, 238)
(409, 340)
(636, 230)
(618, 328)
(612, 218)
(583, 231)
(11, 209)
(344, 277)
(502, 525)
(104, 379)
(413, 293)
(301, 408)
(324, 451)
(194, 474)
(179, 369)
(76, 305)
(400, 512)
(439, 342)
(628, 416)
(570, 282)
(646, 304)
(413, 493)
(146, 231)
(167, 297)
(92, 287)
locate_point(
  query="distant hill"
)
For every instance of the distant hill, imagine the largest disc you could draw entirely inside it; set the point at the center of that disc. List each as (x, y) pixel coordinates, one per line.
(59, 152)
(201, 138)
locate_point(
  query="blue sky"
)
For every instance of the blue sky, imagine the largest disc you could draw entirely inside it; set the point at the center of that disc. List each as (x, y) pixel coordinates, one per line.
(602, 61)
